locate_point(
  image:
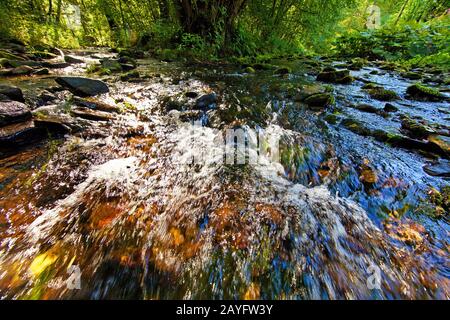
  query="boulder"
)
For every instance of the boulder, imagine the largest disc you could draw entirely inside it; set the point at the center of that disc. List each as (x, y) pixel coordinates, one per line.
(382, 94)
(206, 101)
(333, 76)
(420, 92)
(12, 93)
(83, 87)
(390, 108)
(320, 100)
(13, 112)
(415, 129)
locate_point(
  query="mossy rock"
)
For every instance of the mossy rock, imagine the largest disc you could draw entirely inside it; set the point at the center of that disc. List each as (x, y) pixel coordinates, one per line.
(412, 75)
(331, 118)
(416, 129)
(367, 108)
(390, 108)
(441, 142)
(283, 70)
(355, 126)
(332, 76)
(369, 86)
(249, 70)
(320, 100)
(382, 94)
(420, 92)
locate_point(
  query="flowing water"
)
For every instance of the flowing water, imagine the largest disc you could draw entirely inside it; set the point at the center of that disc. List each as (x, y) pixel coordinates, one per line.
(115, 201)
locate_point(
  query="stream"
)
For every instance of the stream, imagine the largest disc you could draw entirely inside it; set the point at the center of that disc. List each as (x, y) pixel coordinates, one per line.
(116, 198)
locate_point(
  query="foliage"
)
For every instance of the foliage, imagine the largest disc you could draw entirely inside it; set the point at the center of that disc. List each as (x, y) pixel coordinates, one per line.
(412, 44)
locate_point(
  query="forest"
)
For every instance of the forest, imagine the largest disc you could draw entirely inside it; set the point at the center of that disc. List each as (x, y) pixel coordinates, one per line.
(224, 149)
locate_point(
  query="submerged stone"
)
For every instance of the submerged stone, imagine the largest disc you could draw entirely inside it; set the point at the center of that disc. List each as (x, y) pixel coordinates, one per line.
(438, 169)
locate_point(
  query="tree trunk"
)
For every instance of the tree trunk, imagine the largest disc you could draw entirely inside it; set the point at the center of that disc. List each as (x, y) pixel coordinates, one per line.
(58, 11)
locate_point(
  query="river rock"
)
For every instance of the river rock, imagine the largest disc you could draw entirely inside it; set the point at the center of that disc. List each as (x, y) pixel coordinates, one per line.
(89, 114)
(112, 65)
(22, 71)
(390, 108)
(20, 134)
(367, 108)
(320, 100)
(415, 129)
(438, 169)
(441, 142)
(420, 92)
(72, 60)
(333, 76)
(13, 112)
(83, 87)
(12, 93)
(95, 105)
(382, 94)
(206, 101)
(41, 72)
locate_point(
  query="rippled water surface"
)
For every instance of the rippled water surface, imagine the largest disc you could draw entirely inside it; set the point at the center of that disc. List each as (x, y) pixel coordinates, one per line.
(114, 200)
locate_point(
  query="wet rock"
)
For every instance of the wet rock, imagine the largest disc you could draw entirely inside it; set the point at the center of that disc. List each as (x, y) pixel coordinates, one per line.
(420, 92)
(12, 93)
(42, 72)
(90, 114)
(283, 70)
(13, 112)
(83, 87)
(127, 60)
(367, 108)
(10, 56)
(331, 118)
(357, 64)
(54, 119)
(355, 126)
(173, 104)
(370, 86)
(306, 91)
(95, 105)
(333, 76)
(44, 98)
(133, 75)
(20, 134)
(438, 169)
(191, 94)
(441, 142)
(249, 70)
(412, 75)
(127, 67)
(206, 101)
(390, 108)
(22, 71)
(382, 94)
(415, 129)
(20, 63)
(320, 100)
(190, 115)
(112, 65)
(55, 65)
(72, 60)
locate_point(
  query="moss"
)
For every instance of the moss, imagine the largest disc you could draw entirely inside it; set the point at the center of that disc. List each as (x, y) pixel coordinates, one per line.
(369, 86)
(382, 94)
(283, 70)
(249, 70)
(321, 100)
(420, 92)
